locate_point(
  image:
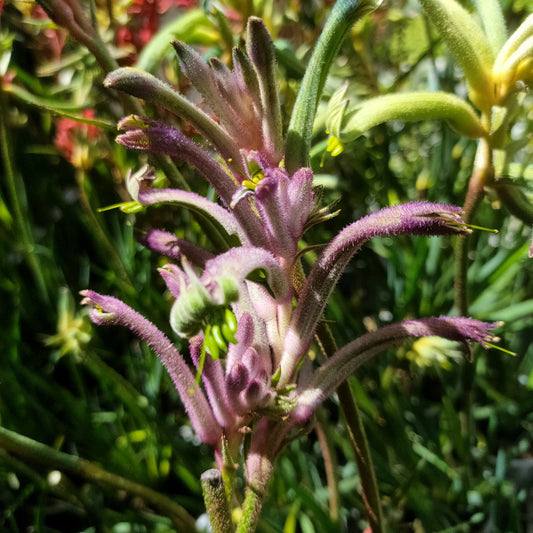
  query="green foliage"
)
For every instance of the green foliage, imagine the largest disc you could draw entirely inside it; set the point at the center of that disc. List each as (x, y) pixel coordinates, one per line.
(451, 444)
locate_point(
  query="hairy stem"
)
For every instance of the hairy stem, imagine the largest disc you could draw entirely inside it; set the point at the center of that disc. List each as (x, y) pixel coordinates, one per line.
(330, 465)
(216, 502)
(482, 175)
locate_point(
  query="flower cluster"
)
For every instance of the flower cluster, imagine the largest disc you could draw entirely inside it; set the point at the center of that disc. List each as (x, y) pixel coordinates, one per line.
(245, 306)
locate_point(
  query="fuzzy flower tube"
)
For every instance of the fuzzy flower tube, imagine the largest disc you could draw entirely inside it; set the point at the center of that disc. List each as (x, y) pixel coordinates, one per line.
(248, 316)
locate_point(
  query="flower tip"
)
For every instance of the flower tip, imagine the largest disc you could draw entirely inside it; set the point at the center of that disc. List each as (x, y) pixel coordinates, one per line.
(108, 81)
(88, 296)
(177, 45)
(114, 77)
(130, 122)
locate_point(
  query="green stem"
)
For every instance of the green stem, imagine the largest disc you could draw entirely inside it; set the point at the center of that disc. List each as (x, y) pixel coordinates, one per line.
(17, 197)
(330, 465)
(482, 175)
(64, 489)
(358, 440)
(342, 17)
(32, 450)
(253, 501)
(216, 502)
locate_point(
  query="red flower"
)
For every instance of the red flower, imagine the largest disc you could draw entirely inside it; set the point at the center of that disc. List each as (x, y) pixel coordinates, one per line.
(145, 19)
(72, 138)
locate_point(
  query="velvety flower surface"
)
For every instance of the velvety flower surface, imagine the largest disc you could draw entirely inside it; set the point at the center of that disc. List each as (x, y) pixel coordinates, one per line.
(250, 325)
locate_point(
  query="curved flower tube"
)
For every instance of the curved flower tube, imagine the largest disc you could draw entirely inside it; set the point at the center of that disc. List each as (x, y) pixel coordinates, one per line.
(108, 311)
(407, 219)
(348, 359)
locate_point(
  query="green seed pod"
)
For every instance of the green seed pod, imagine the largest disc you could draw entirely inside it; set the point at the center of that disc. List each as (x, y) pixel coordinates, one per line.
(228, 334)
(210, 344)
(219, 338)
(230, 320)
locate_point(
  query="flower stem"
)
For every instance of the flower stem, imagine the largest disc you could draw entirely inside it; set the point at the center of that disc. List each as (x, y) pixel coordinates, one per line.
(482, 175)
(358, 440)
(216, 502)
(255, 494)
(330, 465)
(32, 450)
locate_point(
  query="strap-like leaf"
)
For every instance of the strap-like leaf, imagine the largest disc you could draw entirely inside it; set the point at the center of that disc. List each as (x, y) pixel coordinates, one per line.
(468, 44)
(342, 17)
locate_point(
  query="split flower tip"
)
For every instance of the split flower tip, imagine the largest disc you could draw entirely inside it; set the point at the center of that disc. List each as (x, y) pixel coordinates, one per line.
(102, 309)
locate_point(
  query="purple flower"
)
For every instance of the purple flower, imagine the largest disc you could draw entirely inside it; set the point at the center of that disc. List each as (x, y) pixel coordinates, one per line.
(248, 323)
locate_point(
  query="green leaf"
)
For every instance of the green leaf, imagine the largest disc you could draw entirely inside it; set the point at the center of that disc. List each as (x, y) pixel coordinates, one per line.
(62, 108)
(342, 17)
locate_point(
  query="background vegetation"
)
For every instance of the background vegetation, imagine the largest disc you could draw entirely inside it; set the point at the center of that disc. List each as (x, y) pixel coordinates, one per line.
(451, 440)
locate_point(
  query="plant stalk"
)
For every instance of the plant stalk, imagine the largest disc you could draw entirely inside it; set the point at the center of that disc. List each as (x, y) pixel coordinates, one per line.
(32, 450)
(216, 502)
(358, 440)
(482, 175)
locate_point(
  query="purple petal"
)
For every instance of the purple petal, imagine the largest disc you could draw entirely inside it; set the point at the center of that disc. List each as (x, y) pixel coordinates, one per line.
(244, 336)
(174, 278)
(157, 137)
(189, 200)
(301, 199)
(236, 381)
(262, 54)
(271, 198)
(238, 263)
(215, 386)
(108, 311)
(143, 85)
(285, 205)
(204, 80)
(246, 115)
